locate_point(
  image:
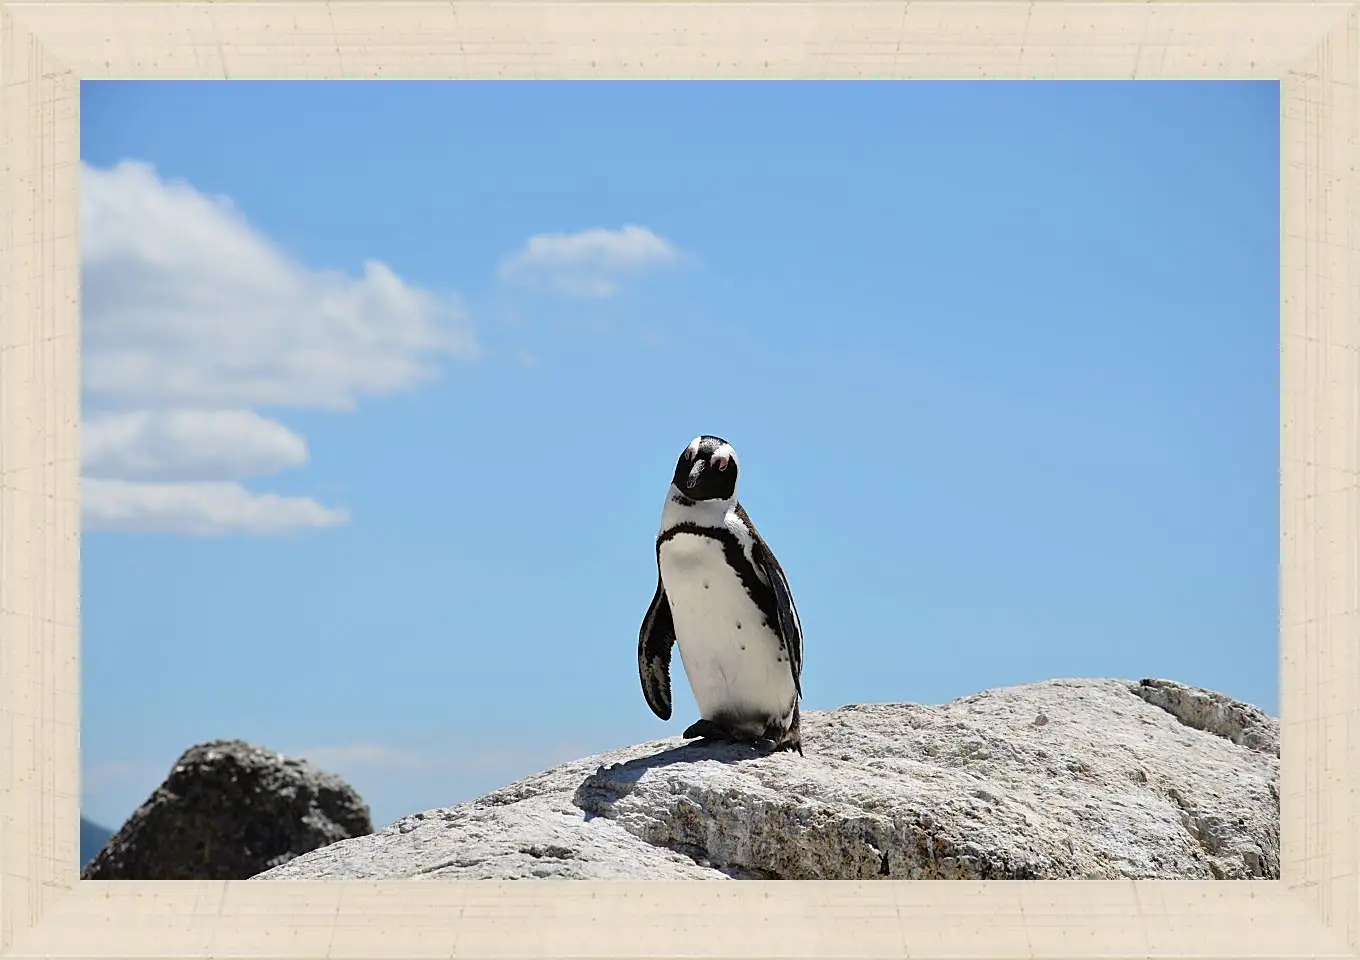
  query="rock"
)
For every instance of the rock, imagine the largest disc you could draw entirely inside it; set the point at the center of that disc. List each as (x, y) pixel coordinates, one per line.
(227, 811)
(1060, 779)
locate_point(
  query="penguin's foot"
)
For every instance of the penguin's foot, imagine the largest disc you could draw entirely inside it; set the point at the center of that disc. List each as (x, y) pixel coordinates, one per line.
(773, 739)
(780, 739)
(707, 729)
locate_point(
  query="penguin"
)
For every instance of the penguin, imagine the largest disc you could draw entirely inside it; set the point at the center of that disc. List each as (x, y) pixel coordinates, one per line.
(723, 599)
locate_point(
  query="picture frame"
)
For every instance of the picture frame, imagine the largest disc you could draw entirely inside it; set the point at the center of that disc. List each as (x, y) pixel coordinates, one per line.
(48, 46)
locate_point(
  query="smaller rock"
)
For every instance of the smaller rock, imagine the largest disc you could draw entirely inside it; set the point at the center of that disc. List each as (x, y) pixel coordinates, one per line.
(227, 811)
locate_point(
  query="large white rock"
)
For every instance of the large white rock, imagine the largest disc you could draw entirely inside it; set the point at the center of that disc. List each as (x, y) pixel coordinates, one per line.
(1060, 779)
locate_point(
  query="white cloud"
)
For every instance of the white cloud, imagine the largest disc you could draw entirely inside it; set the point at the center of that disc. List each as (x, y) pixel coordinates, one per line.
(188, 445)
(186, 304)
(199, 509)
(591, 263)
(191, 317)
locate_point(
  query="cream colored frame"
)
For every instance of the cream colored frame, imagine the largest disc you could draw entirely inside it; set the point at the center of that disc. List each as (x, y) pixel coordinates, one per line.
(45, 47)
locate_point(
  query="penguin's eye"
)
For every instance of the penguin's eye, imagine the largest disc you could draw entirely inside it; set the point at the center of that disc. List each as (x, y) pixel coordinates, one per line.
(722, 463)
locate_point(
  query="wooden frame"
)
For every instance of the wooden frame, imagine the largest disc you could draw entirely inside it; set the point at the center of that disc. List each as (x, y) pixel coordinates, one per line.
(47, 47)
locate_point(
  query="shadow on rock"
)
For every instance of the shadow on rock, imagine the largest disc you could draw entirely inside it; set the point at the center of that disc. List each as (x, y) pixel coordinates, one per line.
(598, 792)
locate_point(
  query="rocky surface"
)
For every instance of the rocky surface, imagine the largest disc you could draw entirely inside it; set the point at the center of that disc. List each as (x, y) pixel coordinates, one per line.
(1216, 713)
(227, 811)
(1062, 779)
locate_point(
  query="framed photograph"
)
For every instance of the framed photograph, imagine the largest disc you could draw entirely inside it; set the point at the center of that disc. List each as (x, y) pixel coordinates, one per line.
(708, 479)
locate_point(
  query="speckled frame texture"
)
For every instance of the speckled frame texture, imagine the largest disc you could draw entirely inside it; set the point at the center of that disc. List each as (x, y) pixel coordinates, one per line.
(46, 48)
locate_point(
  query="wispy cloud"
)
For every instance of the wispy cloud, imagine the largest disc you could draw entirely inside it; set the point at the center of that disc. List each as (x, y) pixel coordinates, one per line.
(358, 759)
(188, 445)
(204, 509)
(400, 780)
(592, 263)
(105, 776)
(192, 318)
(364, 756)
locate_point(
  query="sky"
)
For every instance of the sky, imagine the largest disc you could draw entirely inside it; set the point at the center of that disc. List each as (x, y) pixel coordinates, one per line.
(384, 384)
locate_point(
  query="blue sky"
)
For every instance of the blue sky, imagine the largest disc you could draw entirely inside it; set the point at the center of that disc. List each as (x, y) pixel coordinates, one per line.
(384, 384)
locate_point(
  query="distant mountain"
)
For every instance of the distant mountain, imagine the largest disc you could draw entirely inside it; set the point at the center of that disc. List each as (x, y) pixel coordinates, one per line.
(92, 840)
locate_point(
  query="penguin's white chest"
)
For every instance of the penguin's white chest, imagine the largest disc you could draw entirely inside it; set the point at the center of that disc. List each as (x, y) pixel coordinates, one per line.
(732, 660)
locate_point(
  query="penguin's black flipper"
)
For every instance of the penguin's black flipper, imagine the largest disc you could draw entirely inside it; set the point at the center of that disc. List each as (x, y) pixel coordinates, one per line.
(655, 640)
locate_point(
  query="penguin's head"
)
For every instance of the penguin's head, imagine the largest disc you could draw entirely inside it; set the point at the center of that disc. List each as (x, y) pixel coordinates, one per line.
(707, 470)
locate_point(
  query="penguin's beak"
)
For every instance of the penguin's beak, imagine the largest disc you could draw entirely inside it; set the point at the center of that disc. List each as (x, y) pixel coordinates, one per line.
(694, 473)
